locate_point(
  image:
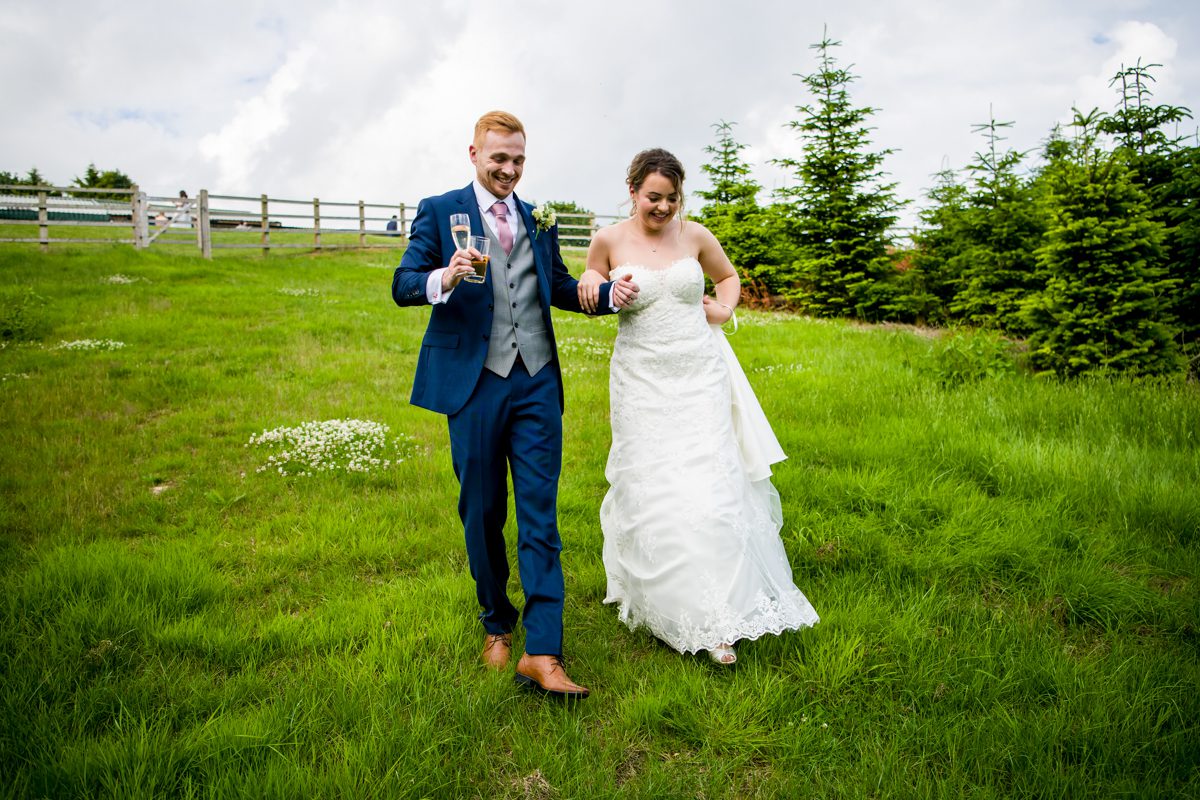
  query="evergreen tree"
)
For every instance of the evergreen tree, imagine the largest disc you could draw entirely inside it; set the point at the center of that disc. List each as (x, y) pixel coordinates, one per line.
(108, 179)
(1138, 125)
(1101, 309)
(1177, 205)
(841, 213)
(32, 178)
(751, 235)
(939, 245)
(729, 175)
(996, 270)
(1167, 171)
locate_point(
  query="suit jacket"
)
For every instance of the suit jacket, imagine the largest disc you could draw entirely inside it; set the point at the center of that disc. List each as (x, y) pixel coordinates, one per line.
(456, 340)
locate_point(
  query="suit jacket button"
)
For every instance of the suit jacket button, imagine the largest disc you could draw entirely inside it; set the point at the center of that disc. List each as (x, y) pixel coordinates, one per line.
(485, 337)
(489, 306)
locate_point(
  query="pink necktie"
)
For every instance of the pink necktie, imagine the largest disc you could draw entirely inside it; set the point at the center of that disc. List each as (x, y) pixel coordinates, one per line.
(503, 232)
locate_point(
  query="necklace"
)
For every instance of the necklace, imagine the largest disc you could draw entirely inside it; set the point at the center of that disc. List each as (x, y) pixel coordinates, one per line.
(653, 249)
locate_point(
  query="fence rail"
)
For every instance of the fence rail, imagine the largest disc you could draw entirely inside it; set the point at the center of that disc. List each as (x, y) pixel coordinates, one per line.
(221, 221)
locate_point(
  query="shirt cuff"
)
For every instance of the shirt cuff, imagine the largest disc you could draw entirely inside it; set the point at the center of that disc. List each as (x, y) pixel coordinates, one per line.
(433, 288)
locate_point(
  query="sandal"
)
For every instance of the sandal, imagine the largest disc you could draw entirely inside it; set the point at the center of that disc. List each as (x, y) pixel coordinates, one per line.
(723, 655)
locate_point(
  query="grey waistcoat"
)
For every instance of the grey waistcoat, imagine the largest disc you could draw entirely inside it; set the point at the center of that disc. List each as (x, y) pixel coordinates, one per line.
(517, 325)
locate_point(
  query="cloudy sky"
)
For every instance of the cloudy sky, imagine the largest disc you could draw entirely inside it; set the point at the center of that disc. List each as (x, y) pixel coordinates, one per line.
(376, 100)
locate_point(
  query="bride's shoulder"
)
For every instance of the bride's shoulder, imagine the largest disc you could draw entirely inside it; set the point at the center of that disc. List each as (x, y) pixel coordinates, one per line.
(612, 233)
(696, 231)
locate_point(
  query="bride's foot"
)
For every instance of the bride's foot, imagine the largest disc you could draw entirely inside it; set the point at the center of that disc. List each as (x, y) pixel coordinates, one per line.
(723, 654)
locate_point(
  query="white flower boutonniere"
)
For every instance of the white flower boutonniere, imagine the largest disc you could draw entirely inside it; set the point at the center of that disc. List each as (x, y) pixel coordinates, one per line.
(544, 217)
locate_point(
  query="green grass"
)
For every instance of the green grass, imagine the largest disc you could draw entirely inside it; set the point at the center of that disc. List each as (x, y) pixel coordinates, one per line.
(1005, 569)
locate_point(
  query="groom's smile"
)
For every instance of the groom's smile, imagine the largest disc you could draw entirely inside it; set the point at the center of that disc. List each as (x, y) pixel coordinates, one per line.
(499, 159)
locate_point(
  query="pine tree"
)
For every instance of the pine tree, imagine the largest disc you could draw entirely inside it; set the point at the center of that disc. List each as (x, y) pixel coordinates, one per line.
(108, 179)
(841, 213)
(1177, 204)
(751, 235)
(32, 178)
(939, 245)
(729, 175)
(997, 269)
(1101, 309)
(1167, 171)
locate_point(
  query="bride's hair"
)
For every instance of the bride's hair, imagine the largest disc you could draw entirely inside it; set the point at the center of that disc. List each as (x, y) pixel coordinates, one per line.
(656, 160)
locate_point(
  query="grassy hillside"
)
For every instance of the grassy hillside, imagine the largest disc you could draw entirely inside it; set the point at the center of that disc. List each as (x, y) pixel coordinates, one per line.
(1006, 568)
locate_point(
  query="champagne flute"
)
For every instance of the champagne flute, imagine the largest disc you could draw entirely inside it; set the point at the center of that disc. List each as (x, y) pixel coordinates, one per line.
(460, 229)
(482, 245)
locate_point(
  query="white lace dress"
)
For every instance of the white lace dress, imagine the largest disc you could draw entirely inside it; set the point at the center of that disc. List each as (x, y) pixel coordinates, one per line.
(691, 531)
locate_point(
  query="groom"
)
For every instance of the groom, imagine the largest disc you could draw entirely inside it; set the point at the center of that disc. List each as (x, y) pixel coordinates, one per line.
(489, 363)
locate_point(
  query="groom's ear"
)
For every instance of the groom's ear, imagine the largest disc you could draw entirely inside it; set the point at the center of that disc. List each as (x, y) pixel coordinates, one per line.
(472, 152)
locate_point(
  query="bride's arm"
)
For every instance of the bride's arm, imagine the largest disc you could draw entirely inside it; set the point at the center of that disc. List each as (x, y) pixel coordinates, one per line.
(727, 285)
(596, 272)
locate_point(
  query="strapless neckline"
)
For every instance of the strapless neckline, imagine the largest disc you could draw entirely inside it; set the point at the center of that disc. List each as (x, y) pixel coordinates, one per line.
(669, 266)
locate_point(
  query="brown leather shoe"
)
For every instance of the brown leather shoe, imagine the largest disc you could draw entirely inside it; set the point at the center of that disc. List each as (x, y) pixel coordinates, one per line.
(546, 674)
(497, 647)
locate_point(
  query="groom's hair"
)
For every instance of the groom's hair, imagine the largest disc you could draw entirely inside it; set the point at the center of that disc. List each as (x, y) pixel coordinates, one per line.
(496, 121)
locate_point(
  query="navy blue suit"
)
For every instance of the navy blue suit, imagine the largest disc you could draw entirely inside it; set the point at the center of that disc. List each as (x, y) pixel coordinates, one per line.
(497, 424)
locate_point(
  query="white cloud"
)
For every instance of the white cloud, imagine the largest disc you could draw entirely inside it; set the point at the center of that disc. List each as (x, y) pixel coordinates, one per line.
(376, 100)
(1129, 42)
(239, 146)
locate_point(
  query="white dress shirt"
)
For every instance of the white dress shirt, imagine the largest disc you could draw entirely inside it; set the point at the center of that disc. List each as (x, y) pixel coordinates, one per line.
(485, 199)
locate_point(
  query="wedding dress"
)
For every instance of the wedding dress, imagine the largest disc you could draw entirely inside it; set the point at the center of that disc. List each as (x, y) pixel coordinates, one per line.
(691, 521)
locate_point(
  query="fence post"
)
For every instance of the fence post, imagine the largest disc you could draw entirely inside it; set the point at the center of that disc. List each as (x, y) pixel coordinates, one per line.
(205, 226)
(317, 223)
(137, 215)
(43, 223)
(266, 228)
(403, 225)
(362, 225)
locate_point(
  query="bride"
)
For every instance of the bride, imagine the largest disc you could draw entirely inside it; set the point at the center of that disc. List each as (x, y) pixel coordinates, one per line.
(691, 521)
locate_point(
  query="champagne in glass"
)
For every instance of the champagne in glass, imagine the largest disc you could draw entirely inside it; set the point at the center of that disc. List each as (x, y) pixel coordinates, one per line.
(460, 229)
(482, 245)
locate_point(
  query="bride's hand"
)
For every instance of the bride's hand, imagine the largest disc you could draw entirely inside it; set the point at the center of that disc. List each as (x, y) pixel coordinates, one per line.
(715, 312)
(589, 290)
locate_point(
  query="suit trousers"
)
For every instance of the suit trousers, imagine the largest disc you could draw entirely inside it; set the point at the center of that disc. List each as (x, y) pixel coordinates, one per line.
(513, 423)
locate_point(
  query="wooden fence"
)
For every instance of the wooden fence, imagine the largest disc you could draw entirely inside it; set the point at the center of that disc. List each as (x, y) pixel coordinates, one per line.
(213, 221)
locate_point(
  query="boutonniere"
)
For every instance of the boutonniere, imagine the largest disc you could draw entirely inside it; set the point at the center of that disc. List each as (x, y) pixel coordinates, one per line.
(544, 217)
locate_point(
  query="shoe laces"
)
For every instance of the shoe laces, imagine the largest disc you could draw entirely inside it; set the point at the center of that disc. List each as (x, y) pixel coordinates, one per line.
(498, 638)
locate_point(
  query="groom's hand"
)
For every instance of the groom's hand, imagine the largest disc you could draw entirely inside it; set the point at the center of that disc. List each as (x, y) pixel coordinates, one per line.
(624, 291)
(458, 268)
(589, 290)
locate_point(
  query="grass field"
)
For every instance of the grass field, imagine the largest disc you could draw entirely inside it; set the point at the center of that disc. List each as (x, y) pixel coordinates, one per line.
(1006, 569)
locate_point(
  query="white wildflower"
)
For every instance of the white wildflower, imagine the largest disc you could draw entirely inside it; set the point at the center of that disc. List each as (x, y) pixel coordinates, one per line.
(291, 292)
(773, 368)
(587, 348)
(348, 445)
(90, 344)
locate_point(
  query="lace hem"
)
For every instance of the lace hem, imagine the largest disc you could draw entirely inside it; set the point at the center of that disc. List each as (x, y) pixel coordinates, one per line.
(784, 616)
